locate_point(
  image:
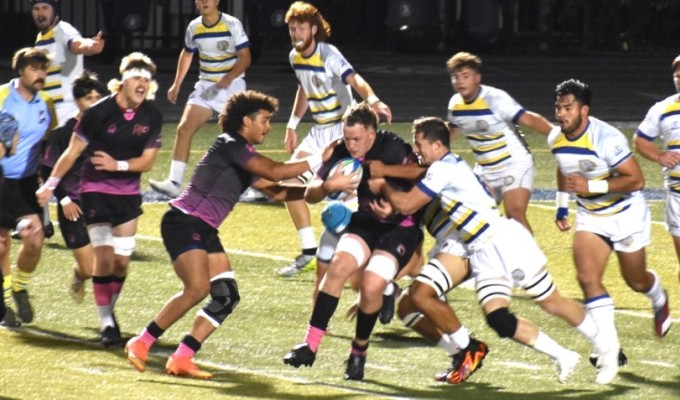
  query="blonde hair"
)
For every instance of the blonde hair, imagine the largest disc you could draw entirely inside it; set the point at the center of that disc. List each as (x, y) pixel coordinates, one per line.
(464, 60)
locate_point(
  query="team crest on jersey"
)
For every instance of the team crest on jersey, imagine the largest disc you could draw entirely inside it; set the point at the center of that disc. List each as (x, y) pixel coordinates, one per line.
(140, 130)
(508, 180)
(111, 129)
(482, 125)
(401, 249)
(586, 165)
(223, 45)
(517, 275)
(316, 81)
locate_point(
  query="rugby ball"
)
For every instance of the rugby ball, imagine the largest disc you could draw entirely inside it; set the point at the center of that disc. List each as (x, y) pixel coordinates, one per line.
(348, 166)
(335, 217)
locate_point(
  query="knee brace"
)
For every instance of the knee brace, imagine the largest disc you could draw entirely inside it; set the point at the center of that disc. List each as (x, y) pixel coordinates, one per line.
(224, 298)
(503, 322)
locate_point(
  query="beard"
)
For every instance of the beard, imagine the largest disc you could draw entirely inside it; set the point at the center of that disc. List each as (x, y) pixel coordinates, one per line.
(302, 45)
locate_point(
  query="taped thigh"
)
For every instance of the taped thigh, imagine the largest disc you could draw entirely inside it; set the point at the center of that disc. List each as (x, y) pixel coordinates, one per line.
(540, 286)
(493, 288)
(124, 245)
(435, 275)
(352, 246)
(100, 235)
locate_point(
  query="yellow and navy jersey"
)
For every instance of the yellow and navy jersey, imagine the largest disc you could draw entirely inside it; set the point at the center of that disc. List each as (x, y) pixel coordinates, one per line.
(217, 45)
(489, 124)
(595, 153)
(322, 76)
(36, 118)
(66, 66)
(663, 120)
(461, 204)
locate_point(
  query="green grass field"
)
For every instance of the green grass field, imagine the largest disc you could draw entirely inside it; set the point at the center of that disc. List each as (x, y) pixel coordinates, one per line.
(58, 357)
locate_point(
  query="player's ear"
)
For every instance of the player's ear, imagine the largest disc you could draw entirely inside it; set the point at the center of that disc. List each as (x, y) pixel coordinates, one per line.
(314, 30)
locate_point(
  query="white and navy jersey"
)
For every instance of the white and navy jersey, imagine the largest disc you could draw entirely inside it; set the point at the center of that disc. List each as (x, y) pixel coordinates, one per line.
(122, 135)
(322, 76)
(66, 66)
(217, 45)
(663, 120)
(594, 153)
(489, 124)
(463, 199)
(218, 180)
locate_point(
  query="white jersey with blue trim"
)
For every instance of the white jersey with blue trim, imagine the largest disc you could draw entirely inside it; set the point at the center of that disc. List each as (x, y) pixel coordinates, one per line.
(217, 45)
(663, 120)
(466, 209)
(595, 154)
(322, 76)
(489, 124)
(65, 65)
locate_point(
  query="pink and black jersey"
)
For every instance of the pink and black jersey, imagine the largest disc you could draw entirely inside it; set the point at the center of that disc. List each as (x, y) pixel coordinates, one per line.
(123, 134)
(56, 145)
(218, 180)
(391, 150)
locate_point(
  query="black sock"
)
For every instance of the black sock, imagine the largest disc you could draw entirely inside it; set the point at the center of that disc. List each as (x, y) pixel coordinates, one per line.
(154, 330)
(324, 308)
(309, 252)
(365, 324)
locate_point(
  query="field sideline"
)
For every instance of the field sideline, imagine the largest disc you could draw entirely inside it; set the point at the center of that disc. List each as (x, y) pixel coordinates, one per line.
(58, 356)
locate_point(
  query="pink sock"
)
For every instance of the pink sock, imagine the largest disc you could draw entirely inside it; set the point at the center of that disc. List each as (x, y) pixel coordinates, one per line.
(102, 293)
(313, 337)
(184, 351)
(147, 338)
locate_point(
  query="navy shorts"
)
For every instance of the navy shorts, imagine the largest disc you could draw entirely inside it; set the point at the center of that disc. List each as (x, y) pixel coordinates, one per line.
(183, 232)
(74, 232)
(397, 240)
(110, 208)
(18, 199)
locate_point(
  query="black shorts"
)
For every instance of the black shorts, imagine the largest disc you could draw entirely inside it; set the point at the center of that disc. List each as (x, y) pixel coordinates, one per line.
(397, 240)
(182, 232)
(110, 208)
(18, 199)
(74, 232)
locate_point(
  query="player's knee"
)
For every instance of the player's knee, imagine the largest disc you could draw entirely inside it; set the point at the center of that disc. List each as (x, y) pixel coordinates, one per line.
(503, 322)
(420, 294)
(224, 297)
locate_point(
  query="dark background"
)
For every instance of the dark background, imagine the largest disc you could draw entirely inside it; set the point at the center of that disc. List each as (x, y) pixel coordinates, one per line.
(622, 48)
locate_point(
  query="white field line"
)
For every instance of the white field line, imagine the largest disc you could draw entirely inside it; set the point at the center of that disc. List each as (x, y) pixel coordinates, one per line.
(515, 364)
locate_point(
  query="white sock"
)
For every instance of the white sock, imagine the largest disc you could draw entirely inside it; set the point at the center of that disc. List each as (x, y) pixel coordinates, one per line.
(177, 169)
(546, 345)
(389, 289)
(656, 293)
(307, 238)
(461, 337)
(602, 311)
(588, 328)
(448, 345)
(105, 316)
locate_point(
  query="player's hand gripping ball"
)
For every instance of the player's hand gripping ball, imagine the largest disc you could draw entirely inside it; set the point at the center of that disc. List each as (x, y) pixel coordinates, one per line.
(348, 166)
(335, 217)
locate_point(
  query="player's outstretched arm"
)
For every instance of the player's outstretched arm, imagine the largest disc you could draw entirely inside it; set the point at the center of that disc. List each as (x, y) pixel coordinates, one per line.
(275, 171)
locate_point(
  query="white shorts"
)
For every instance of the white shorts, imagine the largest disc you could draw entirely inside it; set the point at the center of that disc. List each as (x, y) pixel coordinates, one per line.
(318, 138)
(512, 254)
(65, 111)
(450, 245)
(673, 213)
(629, 230)
(207, 95)
(519, 174)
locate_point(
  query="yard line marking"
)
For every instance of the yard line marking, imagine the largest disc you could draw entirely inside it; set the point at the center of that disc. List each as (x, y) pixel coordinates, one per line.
(641, 314)
(658, 363)
(232, 251)
(515, 364)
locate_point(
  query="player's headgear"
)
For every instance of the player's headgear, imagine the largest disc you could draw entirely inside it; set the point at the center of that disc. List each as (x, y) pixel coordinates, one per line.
(8, 127)
(134, 65)
(52, 3)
